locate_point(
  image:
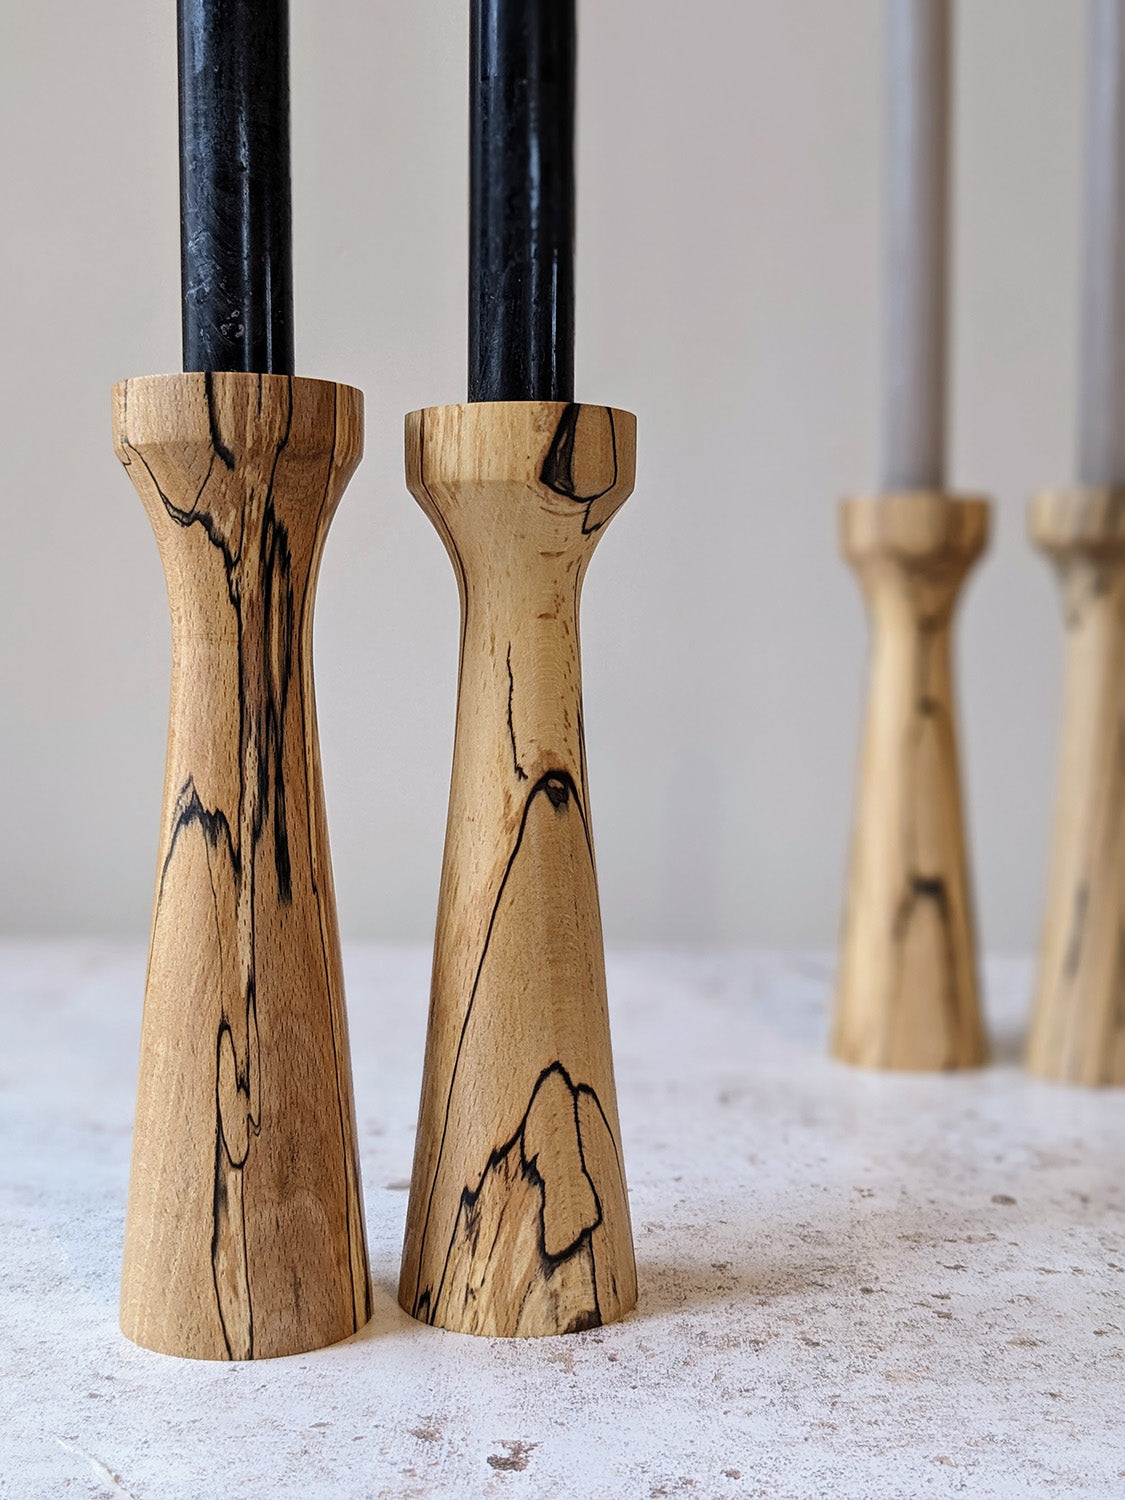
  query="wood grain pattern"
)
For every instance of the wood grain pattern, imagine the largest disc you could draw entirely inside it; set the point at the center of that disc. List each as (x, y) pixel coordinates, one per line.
(907, 993)
(1078, 1027)
(518, 1221)
(245, 1235)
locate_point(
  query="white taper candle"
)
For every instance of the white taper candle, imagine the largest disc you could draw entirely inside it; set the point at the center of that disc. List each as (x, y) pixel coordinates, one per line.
(916, 211)
(1101, 384)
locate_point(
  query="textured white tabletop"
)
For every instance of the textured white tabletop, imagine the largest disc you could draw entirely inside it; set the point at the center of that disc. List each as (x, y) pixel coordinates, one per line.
(852, 1285)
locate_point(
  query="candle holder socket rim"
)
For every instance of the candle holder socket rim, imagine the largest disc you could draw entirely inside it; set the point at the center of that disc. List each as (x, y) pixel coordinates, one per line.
(175, 395)
(1078, 518)
(501, 442)
(915, 525)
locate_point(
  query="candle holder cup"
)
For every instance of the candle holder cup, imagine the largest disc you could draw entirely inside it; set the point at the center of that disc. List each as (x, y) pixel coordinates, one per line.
(518, 1220)
(1078, 1028)
(907, 993)
(244, 1235)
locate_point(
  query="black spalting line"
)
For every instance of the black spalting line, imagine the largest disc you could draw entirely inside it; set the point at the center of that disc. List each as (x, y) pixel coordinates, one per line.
(182, 517)
(530, 1172)
(557, 472)
(279, 624)
(213, 823)
(519, 770)
(1077, 925)
(274, 538)
(558, 786)
(213, 420)
(931, 889)
(247, 1089)
(281, 856)
(216, 832)
(582, 749)
(1113, 1015)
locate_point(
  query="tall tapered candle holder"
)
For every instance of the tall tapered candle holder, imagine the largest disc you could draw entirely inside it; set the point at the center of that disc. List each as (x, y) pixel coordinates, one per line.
(1078, 1027)
(518, 1220)
(244, 1234)
(907, 993)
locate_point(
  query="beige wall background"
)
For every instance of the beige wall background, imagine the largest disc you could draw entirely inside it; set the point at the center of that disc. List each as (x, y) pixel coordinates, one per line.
(727, 292)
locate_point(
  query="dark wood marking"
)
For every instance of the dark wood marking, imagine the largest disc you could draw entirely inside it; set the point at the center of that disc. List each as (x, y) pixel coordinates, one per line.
(559, 787)
(519, 770)
(221, 450)
(558, 472)
(928, 889)
(517, 1163)
(1077, 924)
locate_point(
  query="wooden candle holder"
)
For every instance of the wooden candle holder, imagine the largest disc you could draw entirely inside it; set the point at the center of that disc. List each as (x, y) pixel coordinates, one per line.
(244, 1236)
(518, 1221)
(907, 992)
(1078, 1029)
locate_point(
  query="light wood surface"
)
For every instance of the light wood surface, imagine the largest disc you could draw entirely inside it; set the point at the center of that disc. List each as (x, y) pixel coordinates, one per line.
(1078, 1028)
(907, 992)
(518, 1221)
(244, 1236)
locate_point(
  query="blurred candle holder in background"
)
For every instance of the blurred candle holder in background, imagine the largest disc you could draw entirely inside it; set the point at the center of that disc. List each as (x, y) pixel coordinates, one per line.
(906, 993)
(1078, 1025)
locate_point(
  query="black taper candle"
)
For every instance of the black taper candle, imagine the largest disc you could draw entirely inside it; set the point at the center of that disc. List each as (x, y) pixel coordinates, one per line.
(235, 214)
(521, 200)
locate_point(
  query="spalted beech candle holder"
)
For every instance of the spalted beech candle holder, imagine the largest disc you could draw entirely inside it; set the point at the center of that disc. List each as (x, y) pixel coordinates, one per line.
(907, 990)
(1078, 1030)
(518, 1221)
(244, 1235)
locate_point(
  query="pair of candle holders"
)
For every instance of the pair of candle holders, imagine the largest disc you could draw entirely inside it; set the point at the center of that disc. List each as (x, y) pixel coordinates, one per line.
(245, 1234)
(907, 989)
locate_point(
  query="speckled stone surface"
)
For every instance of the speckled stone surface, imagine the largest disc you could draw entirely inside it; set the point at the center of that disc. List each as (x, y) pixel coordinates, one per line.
(852, 1285)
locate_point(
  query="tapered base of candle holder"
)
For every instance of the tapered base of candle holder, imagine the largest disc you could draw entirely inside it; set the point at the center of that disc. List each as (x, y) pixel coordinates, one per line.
(244, 1235)
(906, 995)
(1078, 1027)
(518, 1223)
